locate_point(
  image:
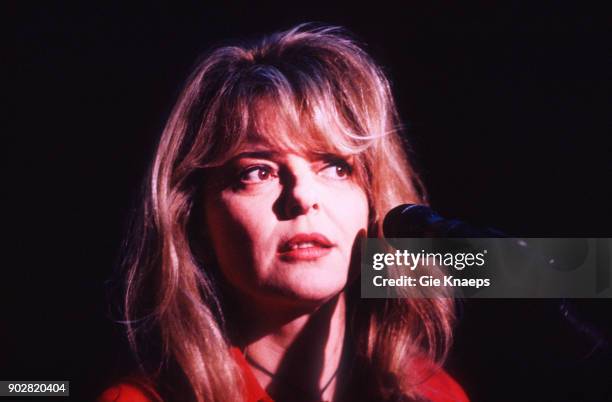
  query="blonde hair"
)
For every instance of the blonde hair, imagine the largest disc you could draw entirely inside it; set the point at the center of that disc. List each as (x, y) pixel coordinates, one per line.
(322, 85)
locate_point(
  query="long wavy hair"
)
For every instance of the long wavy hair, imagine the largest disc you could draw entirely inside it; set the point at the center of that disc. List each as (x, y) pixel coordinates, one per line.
(313, 80)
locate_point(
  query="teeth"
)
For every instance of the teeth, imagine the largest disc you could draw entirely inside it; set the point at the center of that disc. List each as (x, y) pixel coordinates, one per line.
(302, 245)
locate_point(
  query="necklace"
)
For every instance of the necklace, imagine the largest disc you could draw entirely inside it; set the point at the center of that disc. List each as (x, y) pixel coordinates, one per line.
(284, 380)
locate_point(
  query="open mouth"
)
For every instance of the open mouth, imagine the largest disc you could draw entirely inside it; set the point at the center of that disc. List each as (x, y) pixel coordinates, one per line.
(305, 246)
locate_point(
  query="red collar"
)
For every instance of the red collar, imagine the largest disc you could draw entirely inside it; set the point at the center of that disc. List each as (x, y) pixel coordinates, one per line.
(438, 387)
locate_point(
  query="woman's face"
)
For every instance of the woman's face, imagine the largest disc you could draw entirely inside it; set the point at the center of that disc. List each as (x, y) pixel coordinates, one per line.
(283, 225)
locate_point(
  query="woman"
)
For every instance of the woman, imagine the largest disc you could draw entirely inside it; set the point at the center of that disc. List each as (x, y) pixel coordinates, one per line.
(277, 158)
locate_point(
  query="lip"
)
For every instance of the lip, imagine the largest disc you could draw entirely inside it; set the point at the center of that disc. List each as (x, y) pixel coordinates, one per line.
(320, 247)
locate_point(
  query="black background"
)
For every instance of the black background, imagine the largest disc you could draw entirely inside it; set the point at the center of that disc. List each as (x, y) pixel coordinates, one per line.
(505, 106)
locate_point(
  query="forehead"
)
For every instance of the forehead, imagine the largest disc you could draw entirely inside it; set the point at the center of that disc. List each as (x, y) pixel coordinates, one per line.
(259, 150)
(284, 123)
(286, 128)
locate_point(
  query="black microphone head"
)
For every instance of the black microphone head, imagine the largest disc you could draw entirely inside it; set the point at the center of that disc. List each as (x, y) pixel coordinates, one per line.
(412, 220)
(409, 220)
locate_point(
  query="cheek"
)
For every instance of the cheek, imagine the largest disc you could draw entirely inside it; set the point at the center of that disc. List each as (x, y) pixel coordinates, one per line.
(352, 210)
(349, 214)
(238, 232)
(360, 210)
(222, 228)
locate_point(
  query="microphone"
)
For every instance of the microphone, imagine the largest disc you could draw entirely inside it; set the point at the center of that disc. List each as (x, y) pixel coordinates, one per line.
(420, 221)
(412, 220)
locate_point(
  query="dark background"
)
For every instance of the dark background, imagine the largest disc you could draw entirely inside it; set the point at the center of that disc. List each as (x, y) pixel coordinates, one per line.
(506, 108)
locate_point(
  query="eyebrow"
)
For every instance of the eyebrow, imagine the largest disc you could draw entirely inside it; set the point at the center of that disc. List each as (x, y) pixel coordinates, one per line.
(265, 154)
(271, 154)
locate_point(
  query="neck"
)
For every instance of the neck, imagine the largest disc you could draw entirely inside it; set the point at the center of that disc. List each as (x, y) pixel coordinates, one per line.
(301, 349)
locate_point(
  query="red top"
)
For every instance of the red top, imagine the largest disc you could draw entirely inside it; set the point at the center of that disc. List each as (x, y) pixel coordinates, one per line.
(439, 387)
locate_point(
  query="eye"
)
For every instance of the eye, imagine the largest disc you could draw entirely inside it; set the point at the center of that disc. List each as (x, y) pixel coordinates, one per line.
(337, 169)
(256, 174)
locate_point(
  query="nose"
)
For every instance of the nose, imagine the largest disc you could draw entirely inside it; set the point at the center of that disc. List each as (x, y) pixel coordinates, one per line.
(300, 194)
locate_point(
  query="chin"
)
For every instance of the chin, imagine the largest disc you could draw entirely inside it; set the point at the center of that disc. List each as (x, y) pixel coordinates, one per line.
(317, 295)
